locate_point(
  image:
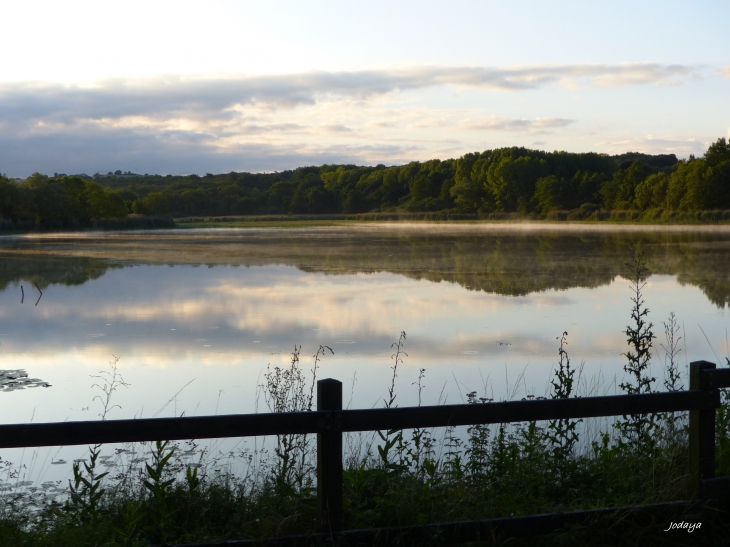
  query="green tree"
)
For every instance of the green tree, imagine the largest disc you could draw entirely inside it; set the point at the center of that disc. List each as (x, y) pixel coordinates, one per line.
(553, 193)
(153, 204)
(103, 203)
(718, 152)
(652, 191)
(8, 198)
(619, 193)
(280, 196)
(512, 180)
(469, 192)
(689, 186)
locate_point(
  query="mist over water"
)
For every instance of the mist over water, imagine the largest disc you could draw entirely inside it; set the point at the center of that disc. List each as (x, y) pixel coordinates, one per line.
(196, 316)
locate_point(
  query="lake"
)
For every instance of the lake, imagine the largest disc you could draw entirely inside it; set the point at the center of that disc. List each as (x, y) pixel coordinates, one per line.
(195, 316)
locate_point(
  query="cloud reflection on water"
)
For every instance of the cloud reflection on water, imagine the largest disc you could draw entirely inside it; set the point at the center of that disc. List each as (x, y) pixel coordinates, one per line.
(473, 307)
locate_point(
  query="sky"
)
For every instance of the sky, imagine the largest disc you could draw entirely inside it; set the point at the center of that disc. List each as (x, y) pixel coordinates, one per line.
(218, 86)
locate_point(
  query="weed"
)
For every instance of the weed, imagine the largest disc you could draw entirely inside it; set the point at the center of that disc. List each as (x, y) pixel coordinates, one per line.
(286, 390)
(674, 423)
(394, 437)
(158, 486)
(478, 443)
(637, 430)
(562, 433)
(86, 491)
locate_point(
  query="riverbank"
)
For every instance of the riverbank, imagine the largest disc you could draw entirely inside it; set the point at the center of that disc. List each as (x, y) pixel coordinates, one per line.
(607, 218)
(651, 217)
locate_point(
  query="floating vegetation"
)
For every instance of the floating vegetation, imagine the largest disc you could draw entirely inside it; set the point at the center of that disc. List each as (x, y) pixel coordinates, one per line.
(13, 380)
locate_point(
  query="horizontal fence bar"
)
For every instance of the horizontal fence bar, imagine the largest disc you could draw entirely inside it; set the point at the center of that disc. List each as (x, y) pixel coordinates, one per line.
(524, 411)
(252, 425)
(156, 429)
(446, 533)
(715, 378)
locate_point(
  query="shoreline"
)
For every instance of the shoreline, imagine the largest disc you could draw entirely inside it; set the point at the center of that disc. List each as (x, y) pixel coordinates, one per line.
(509, 222)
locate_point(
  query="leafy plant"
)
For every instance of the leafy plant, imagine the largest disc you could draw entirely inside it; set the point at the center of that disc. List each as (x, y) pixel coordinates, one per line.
(562, 433)
(478, 443)
(86, 492)
(131, 516)
(637, 430)
(393, 437)
(158, 487)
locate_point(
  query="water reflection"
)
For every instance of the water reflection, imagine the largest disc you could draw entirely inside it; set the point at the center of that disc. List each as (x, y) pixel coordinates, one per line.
(503, 261)
(478, 308)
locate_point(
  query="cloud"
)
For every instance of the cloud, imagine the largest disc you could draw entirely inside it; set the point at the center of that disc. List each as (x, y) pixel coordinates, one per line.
(103, 149)
(724, 72)
(336, 128)
(274, 122)
(217, 97)
(496, 123)
(680, 147)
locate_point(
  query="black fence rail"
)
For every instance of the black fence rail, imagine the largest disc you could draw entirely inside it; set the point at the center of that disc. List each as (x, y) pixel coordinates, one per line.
(330, 421)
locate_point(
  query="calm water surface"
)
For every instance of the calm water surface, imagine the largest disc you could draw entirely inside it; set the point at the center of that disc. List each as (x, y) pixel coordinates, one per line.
(196, 316)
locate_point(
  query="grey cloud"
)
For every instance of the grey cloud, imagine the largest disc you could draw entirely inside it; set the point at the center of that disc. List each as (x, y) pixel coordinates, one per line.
(254, 129)
(495, 123)
(101, 150)
(336, 128)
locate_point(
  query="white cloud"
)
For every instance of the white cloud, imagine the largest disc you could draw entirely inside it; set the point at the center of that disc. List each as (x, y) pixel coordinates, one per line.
(680, 147)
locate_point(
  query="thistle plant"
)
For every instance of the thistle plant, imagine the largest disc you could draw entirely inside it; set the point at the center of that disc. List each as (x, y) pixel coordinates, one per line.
(562, 433)
(637, 430)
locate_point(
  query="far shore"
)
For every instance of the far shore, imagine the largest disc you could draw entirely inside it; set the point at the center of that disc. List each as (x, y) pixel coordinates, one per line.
(615, 221)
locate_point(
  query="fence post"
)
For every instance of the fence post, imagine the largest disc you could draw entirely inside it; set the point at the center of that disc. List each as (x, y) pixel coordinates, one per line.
(701, 435)
(329, 457)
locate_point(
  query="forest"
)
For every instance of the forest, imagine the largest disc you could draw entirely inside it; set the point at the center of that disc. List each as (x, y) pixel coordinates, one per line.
(505, 180)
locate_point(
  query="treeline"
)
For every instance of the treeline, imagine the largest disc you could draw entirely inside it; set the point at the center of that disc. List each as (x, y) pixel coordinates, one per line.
(495, 181)
(58, 202)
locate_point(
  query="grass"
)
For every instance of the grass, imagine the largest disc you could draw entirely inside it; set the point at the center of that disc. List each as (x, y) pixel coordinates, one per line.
(395, 478)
